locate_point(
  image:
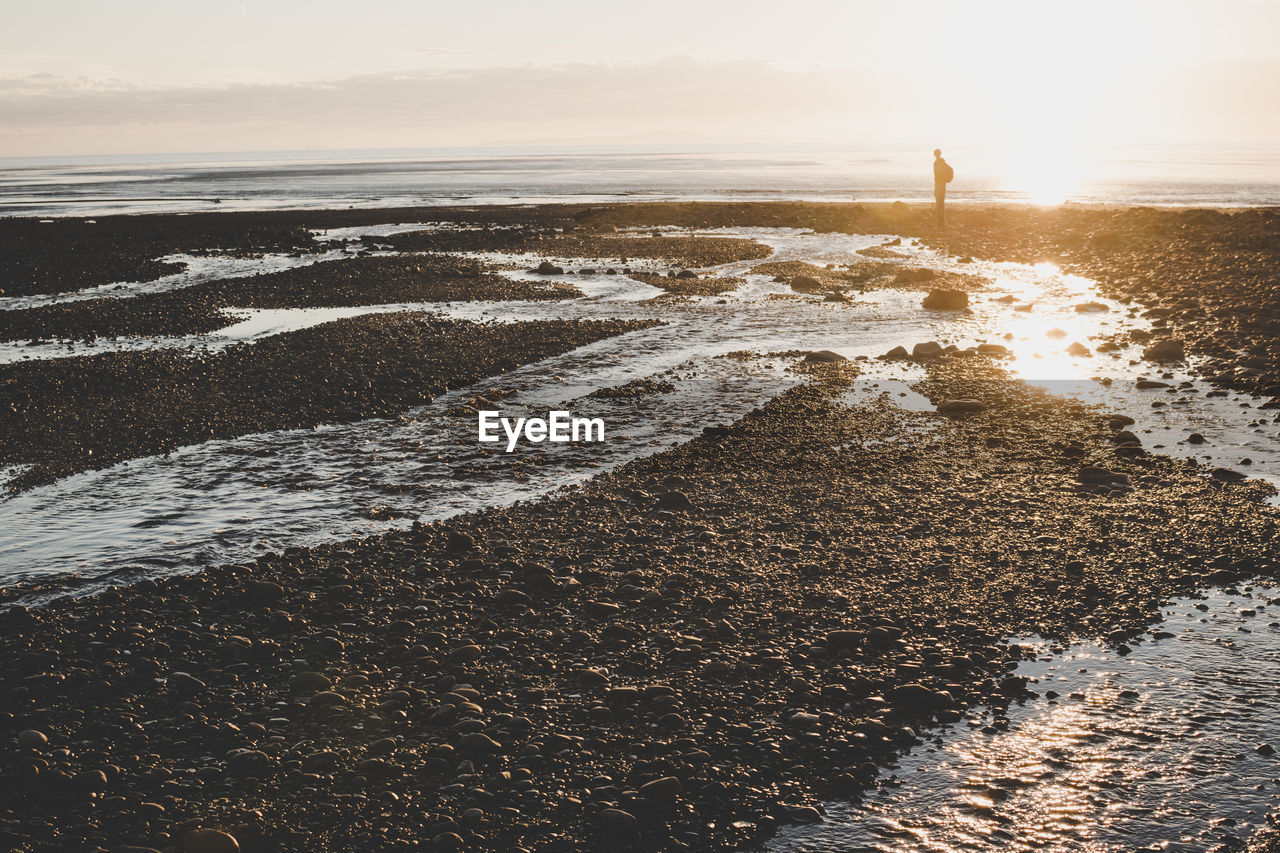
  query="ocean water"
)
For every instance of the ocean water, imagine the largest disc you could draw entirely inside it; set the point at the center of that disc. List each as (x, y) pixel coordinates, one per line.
(94, 186)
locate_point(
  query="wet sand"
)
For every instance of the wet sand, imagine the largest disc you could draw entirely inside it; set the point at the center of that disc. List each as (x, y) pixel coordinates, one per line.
(684, 653)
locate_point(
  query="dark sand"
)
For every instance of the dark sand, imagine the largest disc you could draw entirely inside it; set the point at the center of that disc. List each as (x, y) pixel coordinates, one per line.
(681, 654)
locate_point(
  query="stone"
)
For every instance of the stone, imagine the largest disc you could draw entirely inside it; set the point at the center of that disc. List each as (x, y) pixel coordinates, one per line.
(804, 814)
(617, 822)
(1090, 307)
(262, 593)
(961, 407)
(184, 684)
(327, 699)
(674, 499)
(1226, 475)
(928, 349)
(32, 739)
(896, 353)
(548, 268)
(662, 789)
(250, 763)
(824, 356)
(1166, 350)
(1079, 350)
(804, 720)
(209, 841)
(465, 654)
(946, 300)
(479, 742)
(304, 681)
(460, 542)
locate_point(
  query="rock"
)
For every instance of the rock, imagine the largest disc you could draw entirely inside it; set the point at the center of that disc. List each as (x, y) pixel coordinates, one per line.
(479, 742)
(946, 300)
(249, 763)
(1166, 350)
(1226, 475)
(961, 407)
(896, 353)
(674, 499)
(617, 822)
(1265, 749)
(309, 681)
(1079, 350)
(548, 268)
(184, 684)
(926, 350)
(686, 274)
(1089, 307)
(920, 698)
(262, 593)
(1094, 474)
(460, 542)
(824, 356)
(804, 814)
(915, 275)
(1195, 438)
(90, 780)
(804, 284)
(843, 639)
(209, 841)
(804, 720)
(1149, 384)
(327, 699)
(31, 739)
(661, 790)
(1117, 421)
(592, 677)
(465, 654)
(995, 350)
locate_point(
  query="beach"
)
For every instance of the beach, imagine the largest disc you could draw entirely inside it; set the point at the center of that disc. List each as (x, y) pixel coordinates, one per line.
(833, 522)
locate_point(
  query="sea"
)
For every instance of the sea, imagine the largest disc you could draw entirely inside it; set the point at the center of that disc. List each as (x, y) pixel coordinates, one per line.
(102, 185)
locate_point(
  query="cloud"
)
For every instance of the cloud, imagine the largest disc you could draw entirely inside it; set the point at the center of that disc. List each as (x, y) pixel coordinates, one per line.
(442, 107)
(728, 100)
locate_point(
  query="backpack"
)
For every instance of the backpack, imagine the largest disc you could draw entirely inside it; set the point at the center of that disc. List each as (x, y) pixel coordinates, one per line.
(948, 173)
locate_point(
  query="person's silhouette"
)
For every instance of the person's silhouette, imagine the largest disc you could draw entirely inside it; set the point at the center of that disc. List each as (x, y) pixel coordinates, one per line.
(942, 175)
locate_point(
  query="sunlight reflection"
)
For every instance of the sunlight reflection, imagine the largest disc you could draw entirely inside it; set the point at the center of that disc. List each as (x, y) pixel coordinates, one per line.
(1047, 175)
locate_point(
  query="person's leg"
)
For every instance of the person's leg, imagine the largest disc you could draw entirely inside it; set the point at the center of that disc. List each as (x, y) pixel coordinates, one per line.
(940, 203)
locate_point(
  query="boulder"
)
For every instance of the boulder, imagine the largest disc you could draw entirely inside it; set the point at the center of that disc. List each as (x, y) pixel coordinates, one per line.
(1169, 349)
(209, 841)
(929, 349)
(946, 300)
(1078, 349)
(824, 356)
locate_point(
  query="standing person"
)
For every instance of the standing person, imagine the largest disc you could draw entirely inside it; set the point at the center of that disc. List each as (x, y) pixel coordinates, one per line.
(942, 175)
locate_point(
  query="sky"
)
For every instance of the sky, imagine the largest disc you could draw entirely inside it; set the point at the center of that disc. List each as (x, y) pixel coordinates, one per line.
(96, 77)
